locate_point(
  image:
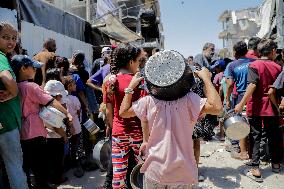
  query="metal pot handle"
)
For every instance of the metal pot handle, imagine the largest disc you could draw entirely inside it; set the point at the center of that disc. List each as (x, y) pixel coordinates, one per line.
(140, 159)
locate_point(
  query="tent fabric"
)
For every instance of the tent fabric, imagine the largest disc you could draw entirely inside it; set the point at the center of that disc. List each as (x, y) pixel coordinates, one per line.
(46, 15)
(266, 12)
(117, 30)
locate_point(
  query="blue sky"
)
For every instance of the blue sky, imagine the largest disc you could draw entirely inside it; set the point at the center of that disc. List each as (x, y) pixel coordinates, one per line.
(188, 24)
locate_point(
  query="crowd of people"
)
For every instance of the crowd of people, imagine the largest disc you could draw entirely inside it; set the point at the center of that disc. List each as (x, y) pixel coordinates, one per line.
(139, 126)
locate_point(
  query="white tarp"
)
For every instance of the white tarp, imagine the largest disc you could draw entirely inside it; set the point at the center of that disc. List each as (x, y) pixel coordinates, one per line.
(234, 17)
(33, 37)
(117, 30)
(103, 7)
(266, 12)
(10, 16)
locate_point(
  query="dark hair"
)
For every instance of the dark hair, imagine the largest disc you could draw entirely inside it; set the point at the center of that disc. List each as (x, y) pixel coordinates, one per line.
(52, 74)
(67, 81)
(240, 48)
(266, 46)
(207, 45)
(227, 61)
(190, 57)
(156, 50)
(47, 44)
(253, 42)
(121, 56)
(16, 69)
(62, 62)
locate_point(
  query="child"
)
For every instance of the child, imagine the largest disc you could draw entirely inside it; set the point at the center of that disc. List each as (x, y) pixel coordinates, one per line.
(10, 111)
(56, 137)
(170, 161)
(74, 107)
(33, 132)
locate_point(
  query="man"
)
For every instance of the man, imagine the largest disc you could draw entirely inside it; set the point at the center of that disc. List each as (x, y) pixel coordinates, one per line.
(252, 48)
(47, 57)
(206, 58)
(237, 74)
(253, 53)
(100, 62)
(190, 60)
(260, 110)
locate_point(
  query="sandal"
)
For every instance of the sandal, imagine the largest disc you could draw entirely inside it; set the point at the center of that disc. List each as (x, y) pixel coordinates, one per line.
(248, 173)
(276, 169)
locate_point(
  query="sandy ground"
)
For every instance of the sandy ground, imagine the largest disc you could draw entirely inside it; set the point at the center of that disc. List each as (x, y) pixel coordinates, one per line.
(219, 169)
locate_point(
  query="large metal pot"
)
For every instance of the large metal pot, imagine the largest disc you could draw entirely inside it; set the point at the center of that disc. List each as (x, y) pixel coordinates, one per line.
(136, 178)
(236, 127)
(168, 77)
(102, 153)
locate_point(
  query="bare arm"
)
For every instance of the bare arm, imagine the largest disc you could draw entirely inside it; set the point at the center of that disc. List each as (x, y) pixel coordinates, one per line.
(93, 86)
(213, 104)
(83, 99)
(221, 93)
(230, 86)
(145, 130)
(10, 85)
(272, 96)
(109, 114)
(57, 105)
(43, 74)
(250, 89)
(126, 110)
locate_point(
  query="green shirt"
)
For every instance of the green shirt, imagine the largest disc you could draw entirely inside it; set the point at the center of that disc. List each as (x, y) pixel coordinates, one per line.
(10, 111)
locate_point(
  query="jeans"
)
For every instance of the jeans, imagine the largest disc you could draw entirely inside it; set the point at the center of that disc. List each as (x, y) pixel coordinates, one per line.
(10, 149)
(274, 135)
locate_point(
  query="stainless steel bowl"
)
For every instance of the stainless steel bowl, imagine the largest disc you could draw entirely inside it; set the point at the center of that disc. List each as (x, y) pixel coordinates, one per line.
(102, 153)
(235, 126)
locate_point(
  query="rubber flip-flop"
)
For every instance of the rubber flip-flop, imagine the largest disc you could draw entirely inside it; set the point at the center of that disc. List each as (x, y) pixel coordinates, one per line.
(248, 174)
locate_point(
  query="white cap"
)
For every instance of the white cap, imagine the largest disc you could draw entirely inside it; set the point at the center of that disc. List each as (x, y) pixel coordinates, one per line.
(54, 88)
(106, 49)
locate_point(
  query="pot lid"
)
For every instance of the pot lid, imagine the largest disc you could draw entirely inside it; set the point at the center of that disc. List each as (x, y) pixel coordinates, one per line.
(165, 68)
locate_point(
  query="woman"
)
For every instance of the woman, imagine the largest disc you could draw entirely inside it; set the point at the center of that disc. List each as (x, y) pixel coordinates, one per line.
(126, 133)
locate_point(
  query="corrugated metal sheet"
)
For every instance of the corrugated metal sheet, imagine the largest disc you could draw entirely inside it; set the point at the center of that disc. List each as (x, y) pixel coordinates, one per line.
(9, 15)
(33, 37)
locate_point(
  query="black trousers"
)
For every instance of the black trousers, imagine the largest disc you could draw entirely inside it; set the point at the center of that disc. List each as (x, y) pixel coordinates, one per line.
(55, 157)
(274, 136)
(34, 159)
(109, 176)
